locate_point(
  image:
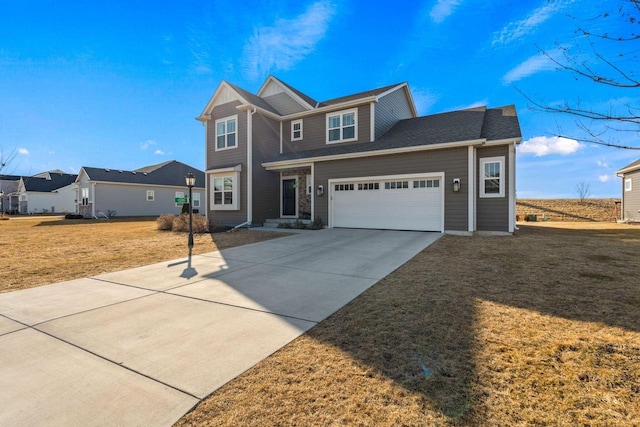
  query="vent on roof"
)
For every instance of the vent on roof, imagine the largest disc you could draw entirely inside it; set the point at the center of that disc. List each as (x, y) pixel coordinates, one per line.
(134, 172)
(120, 171)
(107, 170)
(145, 174)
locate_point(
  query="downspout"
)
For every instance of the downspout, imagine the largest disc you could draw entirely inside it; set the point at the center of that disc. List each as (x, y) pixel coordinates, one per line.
(512, 187)
(471, 189)
(250, 114)
(206, 177)
(93, 197)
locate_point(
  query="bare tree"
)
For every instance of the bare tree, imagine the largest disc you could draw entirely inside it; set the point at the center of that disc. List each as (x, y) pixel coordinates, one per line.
(602, 127)
(583, 190)
(5, 160)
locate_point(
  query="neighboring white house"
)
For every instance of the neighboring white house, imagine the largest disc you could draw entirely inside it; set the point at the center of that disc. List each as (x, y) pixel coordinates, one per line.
(48, 192)
(148, 191)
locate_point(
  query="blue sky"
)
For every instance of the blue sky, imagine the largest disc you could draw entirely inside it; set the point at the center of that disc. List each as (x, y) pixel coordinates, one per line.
(118, 83)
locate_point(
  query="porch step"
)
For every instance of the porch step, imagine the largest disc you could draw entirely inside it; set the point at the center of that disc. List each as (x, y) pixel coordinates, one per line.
(275, 222)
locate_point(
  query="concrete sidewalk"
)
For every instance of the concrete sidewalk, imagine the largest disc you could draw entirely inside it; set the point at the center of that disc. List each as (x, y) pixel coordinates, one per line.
(143, 346)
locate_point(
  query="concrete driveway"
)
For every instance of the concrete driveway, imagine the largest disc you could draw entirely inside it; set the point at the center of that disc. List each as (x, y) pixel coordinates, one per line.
(143, 346)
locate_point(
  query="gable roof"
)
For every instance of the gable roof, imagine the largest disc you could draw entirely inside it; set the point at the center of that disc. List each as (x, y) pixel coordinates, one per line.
(308, 104)
(476, 125)
(630, 168)
(169, 173)
(47, 185)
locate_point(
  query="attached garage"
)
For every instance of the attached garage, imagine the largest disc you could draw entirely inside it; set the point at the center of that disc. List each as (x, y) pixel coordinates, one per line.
(404, 202)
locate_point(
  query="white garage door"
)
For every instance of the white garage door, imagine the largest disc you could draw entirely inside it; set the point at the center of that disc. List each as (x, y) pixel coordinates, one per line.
(396, 204)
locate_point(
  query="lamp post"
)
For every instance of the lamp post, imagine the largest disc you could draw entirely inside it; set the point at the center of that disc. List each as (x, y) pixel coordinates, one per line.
(191, 181)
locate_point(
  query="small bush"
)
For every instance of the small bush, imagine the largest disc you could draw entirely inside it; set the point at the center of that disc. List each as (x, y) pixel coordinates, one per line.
(317, 224)
(181, 223)
(73, 216)
(165, 222)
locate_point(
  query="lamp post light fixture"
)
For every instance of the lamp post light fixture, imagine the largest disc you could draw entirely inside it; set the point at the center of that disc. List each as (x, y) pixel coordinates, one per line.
(191, 182)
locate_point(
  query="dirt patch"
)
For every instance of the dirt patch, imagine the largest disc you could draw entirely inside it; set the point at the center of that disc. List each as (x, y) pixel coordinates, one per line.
(41, 251)
(541, 328)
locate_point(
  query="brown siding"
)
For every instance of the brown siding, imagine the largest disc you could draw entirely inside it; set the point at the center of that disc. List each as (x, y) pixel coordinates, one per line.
(631, 199)
(453, 162)
(266, 190)
(228, 158)
(493, 213)
(314, 131)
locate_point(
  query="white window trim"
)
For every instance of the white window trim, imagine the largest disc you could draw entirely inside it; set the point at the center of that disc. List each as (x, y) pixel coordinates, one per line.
(151, 193)
(235, 191)
(196, 200)
(628, 184)
(483, 161)
(215, 140)
(295, 122)
(341, 113)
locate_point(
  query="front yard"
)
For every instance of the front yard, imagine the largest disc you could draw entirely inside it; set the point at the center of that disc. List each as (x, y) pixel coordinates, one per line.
(542, 328)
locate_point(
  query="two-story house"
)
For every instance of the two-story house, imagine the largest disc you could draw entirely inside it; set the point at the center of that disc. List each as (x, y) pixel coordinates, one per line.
(360, 161)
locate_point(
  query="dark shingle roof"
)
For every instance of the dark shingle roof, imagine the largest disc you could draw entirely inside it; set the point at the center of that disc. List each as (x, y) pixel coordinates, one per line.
(455, 126)
(304, 96)
(253, 99)
(168, 173)
(365, 94)
(44, 185)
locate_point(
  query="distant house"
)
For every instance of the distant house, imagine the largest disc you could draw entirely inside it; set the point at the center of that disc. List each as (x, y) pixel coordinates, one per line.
(365, 160)
(148, 191)
(48, 192)
(630, 174)
(8, 196)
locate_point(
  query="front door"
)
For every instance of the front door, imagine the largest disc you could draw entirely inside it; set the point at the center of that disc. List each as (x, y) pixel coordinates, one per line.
(289, 197)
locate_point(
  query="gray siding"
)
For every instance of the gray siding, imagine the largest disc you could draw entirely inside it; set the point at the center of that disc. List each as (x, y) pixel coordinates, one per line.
(284, 104)
(493, 213)
(131, 200)
(314, 131)
(389, 109)
(266, 184)
(631, 199)
(453, 162)
(228, 158)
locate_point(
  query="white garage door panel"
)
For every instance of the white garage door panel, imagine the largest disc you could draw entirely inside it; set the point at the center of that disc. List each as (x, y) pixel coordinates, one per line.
(397, 209)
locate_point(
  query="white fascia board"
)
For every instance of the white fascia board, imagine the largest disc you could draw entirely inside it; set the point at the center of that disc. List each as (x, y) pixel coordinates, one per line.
(621, 172)
(504, 141)
(236, 168)
(251, 107)
(301, 162)
(129, 184)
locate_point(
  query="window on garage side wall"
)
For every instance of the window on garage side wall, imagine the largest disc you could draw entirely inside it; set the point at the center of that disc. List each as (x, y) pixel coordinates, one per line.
(492, 177)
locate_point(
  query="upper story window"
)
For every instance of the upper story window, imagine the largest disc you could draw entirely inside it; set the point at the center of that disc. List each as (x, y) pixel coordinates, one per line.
(85, 196)
(342, 126)
(151, 195)
(492, 177)
(296, 130)
(226, 133)
(627, 184)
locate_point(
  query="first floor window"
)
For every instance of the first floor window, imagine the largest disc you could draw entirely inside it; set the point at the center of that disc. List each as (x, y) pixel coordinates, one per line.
(179, 194)
(225, 191)
(492, 177)
(196, 200)
(627, 184)
(151, 195)
(85, 196)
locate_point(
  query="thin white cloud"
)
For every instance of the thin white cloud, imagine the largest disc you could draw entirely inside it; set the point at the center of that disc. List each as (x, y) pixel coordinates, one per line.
(542, 146)
(423, 99)
(442, 9)
(23, 151)
(602, 163)
(604, 178)
(519, 29)
(531, 66)
(287, 41)
(159, 152)
(147, 144)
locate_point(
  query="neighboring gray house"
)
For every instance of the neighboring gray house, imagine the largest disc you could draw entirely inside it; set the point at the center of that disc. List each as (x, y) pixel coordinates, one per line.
(48, 192)
(148, 191)
(630, 174)
(361, 161)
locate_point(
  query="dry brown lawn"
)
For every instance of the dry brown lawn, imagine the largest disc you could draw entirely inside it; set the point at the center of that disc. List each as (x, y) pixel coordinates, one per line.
(40, 251)
(542, 328)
